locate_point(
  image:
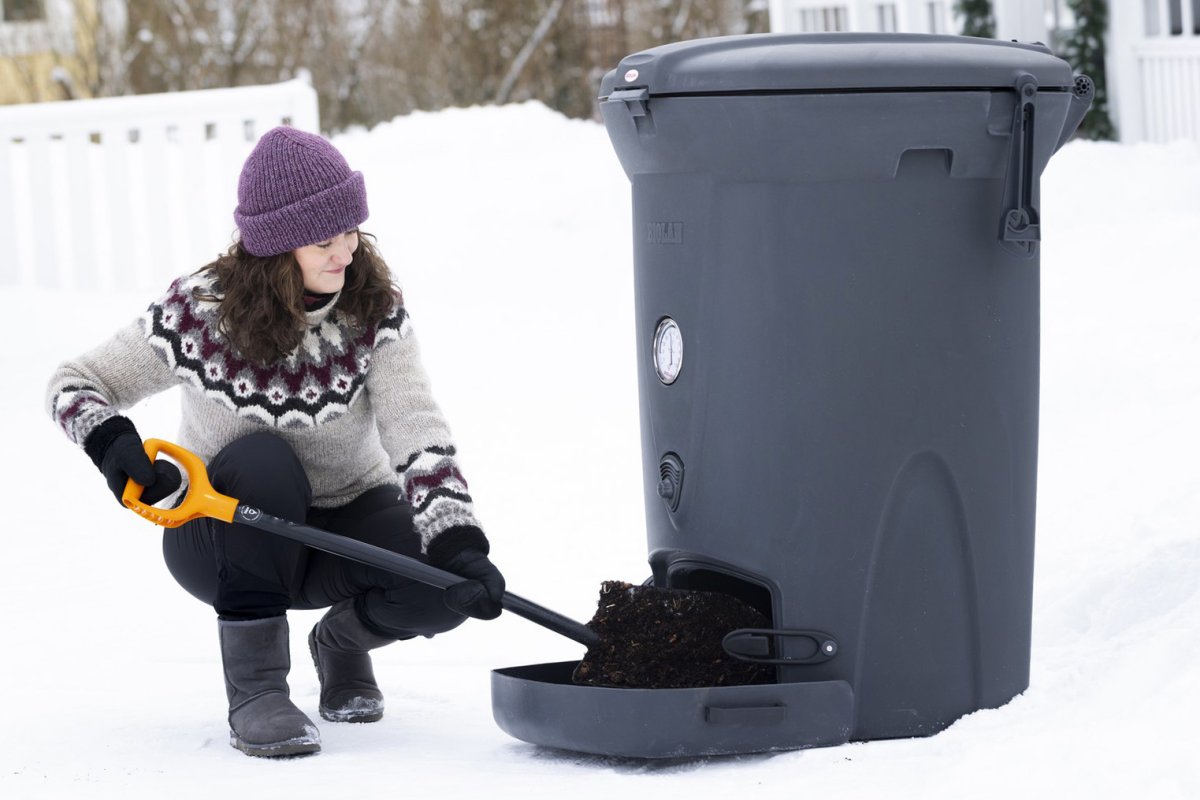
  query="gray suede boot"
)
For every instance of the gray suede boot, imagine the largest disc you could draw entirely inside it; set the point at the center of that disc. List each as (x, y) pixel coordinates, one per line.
(262, 720)
(339, 643)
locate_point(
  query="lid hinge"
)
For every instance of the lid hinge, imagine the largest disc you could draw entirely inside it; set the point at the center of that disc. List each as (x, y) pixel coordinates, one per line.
(1020, 227)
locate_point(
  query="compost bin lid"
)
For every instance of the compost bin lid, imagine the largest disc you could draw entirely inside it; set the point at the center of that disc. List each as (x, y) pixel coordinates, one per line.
(830, 62)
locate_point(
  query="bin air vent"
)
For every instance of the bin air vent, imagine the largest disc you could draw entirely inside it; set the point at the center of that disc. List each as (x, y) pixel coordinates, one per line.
(670, 480)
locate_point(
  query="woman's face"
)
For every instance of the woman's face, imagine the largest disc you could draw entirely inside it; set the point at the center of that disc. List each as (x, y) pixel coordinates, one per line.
(323, 264)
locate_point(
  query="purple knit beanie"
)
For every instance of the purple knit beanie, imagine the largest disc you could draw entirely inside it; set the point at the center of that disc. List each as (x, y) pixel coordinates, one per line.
(296, 189)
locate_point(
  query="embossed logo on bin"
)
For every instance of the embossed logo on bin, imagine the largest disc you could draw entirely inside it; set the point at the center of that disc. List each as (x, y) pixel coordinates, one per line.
(664, 232)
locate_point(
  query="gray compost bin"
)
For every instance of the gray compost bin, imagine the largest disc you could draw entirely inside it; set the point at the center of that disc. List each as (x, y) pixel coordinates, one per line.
(836, 284)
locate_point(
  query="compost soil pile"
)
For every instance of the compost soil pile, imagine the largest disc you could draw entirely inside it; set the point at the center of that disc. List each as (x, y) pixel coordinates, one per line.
(654, 638)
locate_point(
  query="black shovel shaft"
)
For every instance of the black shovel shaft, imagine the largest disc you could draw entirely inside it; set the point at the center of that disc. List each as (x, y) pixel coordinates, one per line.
(412, 568)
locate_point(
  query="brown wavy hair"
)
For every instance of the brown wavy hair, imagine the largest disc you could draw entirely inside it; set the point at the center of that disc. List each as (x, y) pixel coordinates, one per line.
(261, 298)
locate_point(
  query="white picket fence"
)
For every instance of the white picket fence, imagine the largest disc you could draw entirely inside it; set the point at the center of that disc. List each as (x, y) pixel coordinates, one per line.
(1169, 77)
(129, 192)
(1154, 70)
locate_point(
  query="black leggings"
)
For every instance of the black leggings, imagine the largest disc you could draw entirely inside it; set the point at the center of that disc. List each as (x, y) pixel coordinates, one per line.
(245, 573)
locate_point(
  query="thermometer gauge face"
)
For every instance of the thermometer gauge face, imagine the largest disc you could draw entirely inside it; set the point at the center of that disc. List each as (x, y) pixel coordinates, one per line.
(668, 351)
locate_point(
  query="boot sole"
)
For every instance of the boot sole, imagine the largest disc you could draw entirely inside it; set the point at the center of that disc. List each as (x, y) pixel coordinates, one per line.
(289, 747)
(331, 714)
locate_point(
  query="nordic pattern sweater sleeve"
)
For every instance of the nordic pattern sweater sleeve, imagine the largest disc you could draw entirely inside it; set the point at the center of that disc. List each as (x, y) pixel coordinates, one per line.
(87, 391)
(417, 440)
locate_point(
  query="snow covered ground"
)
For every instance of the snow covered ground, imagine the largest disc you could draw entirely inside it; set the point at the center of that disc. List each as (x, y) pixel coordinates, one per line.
(509, 230)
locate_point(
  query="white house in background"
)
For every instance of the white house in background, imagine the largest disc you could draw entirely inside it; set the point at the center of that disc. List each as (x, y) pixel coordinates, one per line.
(1024, 20)
(1154, 69)
(1153, 66)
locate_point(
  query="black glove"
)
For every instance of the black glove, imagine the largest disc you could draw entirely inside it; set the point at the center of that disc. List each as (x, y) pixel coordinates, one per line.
(479, 596)
(117, 450)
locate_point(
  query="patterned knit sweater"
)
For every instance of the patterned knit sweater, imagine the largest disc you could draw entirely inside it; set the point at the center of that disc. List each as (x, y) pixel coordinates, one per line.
(354, 405)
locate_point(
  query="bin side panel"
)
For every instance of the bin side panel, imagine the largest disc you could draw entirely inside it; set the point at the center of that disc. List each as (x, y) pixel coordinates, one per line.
(919, 660)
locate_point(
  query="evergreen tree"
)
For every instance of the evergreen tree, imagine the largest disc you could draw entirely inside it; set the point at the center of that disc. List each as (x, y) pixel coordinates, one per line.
(977, 18)
(1083, 49)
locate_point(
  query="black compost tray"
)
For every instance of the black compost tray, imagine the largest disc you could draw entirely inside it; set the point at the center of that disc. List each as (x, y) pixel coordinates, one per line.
(538, 703)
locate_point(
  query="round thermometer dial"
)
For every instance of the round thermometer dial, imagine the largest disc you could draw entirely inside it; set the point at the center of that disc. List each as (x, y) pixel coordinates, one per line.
(668, 351)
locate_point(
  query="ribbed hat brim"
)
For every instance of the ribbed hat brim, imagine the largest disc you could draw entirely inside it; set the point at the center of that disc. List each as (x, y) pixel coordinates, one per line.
(318, 217)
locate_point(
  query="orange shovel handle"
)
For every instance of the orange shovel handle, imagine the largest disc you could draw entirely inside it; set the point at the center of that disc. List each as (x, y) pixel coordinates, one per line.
(202, 500)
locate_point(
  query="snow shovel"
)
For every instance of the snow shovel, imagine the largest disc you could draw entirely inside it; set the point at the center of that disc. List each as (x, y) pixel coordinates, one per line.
(641, 636)
(202, 500)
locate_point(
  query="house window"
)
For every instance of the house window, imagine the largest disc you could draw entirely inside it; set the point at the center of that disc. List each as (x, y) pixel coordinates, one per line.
(1175, 15)
(823, 20)
(1172, 17)
(886, 17)
(1153, 23)
(23, 10)
(937, 17)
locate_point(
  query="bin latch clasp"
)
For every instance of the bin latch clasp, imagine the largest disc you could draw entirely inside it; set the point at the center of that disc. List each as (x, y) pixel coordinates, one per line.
(755, 644)
(1020, 228)
(635, 100)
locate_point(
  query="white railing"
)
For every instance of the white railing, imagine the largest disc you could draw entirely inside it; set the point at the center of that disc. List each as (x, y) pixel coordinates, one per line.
(1154, 70)
(1169, 88)
(887, 16)
(130, 191)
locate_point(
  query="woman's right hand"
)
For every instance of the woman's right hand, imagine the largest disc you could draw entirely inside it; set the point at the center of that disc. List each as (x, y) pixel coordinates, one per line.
(481, 594)
(122, 456)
